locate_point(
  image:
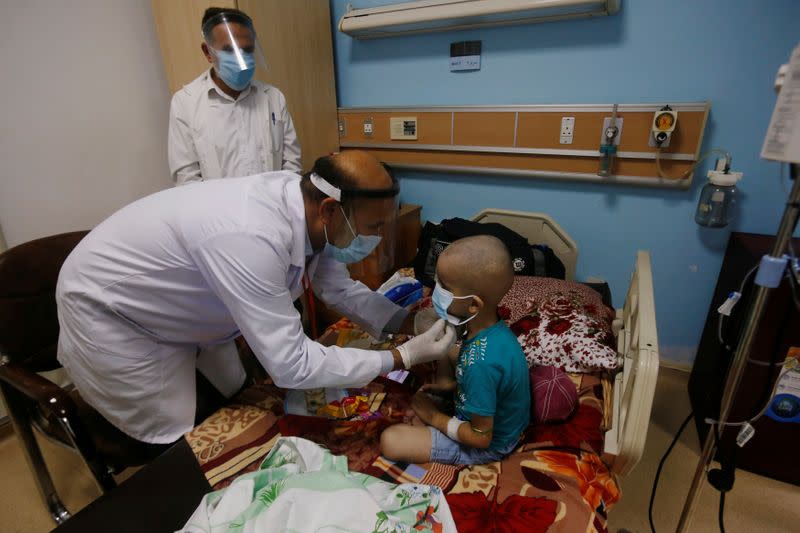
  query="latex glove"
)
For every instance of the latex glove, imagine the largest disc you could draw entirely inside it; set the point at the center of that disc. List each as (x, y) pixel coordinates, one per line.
(430, 346)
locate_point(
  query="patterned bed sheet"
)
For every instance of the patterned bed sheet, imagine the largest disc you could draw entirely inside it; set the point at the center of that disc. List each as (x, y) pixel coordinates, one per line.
(555, 481)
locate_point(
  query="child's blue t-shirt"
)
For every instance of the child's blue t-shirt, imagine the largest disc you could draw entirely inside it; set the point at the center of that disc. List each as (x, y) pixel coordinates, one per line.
(493, 380)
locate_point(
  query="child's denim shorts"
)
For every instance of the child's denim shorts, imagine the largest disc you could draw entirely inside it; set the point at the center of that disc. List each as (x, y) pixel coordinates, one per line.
(447, 451)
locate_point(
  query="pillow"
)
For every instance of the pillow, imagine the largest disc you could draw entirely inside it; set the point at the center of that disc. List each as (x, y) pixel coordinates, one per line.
(553, 395)
(561, 323)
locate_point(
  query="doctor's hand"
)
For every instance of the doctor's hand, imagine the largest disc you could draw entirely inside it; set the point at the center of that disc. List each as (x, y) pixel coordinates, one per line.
(430, 346)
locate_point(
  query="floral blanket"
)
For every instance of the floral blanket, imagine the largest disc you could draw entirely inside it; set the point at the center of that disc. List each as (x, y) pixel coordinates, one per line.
(555, 481)
(301, 486)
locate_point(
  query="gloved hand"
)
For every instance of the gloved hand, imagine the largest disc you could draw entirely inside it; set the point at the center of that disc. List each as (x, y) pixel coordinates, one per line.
(430, 346)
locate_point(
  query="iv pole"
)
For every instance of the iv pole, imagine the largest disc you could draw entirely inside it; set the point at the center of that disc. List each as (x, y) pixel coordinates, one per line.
(756, 312)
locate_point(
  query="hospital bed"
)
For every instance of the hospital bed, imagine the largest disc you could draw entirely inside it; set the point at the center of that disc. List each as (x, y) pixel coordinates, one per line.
(566, 475)
(635, 327)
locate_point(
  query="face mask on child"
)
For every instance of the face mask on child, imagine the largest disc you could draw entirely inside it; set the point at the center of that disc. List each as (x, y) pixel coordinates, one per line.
(442, 298)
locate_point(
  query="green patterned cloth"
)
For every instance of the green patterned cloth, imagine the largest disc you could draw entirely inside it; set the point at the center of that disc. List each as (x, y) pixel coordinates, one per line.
(302, 487)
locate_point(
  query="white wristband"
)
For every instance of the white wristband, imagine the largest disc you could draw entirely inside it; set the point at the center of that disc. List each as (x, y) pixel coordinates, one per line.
(452, 428)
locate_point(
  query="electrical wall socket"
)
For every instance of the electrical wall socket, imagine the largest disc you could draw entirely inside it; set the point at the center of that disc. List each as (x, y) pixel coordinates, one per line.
(567, 130)
(368, 127)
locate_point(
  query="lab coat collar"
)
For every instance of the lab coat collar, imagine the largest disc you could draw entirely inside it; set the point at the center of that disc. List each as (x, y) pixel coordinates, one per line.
(301, 248)
(309, 247)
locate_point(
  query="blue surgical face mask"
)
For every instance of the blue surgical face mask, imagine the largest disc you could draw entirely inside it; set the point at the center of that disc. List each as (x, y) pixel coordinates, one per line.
(229, 69)
(359, 248)
(442, 298)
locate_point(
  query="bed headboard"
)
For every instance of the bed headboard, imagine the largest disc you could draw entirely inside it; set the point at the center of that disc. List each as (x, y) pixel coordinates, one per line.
(538, 228)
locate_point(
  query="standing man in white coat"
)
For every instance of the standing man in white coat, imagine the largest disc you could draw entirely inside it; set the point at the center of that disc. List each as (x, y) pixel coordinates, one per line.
(225, 123)
(196, 266)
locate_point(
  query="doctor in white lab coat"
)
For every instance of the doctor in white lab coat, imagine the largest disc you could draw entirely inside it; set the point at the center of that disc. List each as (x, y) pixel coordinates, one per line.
(225, 123)
(194, 266)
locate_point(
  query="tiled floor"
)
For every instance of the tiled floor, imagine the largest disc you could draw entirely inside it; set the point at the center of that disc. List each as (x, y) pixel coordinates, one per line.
(21, 507)
(756, 504)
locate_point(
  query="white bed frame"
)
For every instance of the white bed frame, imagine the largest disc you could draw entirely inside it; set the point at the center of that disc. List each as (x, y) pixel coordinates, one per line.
(635, 328)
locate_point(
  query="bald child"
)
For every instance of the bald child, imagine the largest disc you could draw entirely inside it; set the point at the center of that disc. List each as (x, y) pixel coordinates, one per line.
(491, 385)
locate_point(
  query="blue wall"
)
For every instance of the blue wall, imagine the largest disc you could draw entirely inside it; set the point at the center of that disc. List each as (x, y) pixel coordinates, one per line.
(725, 51)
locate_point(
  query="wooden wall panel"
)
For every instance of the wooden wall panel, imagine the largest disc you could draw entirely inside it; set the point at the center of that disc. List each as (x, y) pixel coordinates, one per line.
(685, 139)
(178, 27)
(541, 130)
(485, 138)
(433, 128)
(296, 39)
(483, 129)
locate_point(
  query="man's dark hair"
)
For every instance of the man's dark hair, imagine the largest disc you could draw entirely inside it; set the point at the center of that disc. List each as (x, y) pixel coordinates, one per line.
(327, 167)
(232, 15)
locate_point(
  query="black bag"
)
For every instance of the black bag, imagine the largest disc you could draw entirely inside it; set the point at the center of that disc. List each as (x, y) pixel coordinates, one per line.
(527, 259)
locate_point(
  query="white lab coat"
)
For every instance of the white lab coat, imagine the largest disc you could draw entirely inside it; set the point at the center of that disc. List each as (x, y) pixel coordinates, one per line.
(211, 135)
(194, 266)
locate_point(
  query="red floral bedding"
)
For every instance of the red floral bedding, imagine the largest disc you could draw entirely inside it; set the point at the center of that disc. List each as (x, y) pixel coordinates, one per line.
(561, 323)
(555, 481)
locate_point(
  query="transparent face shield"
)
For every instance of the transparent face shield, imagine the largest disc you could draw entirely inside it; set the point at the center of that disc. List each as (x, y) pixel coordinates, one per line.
(232, 41)
(375, 216)
(365, 214)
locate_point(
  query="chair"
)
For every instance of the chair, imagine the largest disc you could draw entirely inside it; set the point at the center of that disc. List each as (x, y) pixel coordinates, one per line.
(28, 337)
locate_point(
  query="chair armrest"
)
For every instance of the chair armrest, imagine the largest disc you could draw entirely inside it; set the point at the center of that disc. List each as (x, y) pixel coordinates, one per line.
(47, 394)
(51, 399)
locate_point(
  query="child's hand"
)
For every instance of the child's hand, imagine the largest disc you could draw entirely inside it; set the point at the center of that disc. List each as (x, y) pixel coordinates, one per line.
(424, 407)
(442, 384)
